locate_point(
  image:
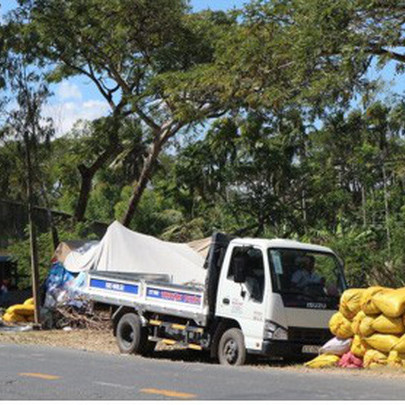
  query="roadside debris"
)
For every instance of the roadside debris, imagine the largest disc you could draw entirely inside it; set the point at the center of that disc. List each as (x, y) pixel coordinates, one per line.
(369, 330)
(64, 304)
(68, 318)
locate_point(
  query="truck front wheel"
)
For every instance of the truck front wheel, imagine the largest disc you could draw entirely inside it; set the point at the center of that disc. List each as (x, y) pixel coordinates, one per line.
(132, 338)
(231, 348)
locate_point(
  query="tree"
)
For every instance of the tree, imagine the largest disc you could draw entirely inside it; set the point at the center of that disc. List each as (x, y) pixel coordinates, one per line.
(131, 51)
(247, 167)
(27, 125)
(327, 45)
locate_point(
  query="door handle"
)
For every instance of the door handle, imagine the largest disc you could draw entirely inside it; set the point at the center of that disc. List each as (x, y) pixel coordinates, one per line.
(226, 301)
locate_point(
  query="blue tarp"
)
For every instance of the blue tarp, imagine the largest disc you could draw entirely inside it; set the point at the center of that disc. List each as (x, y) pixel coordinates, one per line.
(62, 286)
(58, 276)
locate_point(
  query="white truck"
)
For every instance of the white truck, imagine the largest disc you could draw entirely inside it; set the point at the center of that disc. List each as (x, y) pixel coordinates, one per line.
(267, 297)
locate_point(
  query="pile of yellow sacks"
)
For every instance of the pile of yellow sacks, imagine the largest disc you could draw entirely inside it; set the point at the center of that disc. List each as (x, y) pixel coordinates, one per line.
(20, 313)
(374, 320)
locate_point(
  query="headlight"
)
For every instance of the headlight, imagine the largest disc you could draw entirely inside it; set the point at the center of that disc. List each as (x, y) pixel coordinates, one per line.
(274, 331)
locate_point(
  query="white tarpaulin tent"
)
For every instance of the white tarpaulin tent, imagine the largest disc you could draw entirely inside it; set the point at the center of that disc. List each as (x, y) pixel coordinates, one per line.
(123, 250)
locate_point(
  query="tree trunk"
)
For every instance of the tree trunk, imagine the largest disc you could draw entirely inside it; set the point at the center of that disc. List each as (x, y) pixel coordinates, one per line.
(304, 209)
(386, 206)
(162, 135)
(363, 203)
(32, 232)
(87, 173)
(143, 181)
(260, 227)
(85, 187)
(373, 215)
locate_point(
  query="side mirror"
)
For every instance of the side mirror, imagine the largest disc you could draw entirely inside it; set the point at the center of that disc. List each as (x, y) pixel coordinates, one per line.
(240, 264)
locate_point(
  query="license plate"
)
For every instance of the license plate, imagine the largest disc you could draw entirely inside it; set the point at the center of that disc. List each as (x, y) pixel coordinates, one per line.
(310, 349)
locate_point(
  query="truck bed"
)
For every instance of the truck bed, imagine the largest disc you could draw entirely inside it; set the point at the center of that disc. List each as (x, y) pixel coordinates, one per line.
(147, 292)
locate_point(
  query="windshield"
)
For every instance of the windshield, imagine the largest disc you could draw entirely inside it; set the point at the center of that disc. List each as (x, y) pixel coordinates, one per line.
(306, 273)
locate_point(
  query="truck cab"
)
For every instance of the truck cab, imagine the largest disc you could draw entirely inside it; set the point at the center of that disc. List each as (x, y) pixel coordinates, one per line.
(281, 293)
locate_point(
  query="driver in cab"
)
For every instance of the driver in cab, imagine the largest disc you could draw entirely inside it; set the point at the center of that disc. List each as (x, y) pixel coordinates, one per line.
(305, 276)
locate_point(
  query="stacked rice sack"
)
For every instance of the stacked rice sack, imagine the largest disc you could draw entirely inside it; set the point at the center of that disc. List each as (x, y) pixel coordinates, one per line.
(20, 313)
(369, 330)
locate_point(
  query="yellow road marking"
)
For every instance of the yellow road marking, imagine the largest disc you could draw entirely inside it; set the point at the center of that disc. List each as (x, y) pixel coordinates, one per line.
(168, 393)
(40, 375)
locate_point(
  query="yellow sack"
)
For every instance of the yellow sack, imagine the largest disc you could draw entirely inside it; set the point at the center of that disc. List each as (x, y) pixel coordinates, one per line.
(29, 301)
(400, 345)
(340, 326)
(356, 322)
(10, 310)
(384, 324)
(323, 360)
(394, 359)
(359, 347)
(13, 318)
(366, 302)
(391, 303)
(374, 358)
(350, 302)
(21, 309)
(366, 329)
(382, 343)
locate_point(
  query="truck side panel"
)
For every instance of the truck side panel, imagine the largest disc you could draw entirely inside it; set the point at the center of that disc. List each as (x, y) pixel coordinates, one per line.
(154, 297)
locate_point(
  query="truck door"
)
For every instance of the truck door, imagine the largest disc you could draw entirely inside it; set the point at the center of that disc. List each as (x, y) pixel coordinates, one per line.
(244, 302)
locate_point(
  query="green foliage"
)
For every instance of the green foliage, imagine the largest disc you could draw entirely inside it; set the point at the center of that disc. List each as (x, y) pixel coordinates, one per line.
(20, 250)
(153, 215)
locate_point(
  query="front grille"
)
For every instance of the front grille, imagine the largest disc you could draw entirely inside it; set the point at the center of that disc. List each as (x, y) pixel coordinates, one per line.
(309, 335)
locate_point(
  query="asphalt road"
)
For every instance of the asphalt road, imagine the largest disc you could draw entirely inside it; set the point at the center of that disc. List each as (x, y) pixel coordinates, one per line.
(32, 372)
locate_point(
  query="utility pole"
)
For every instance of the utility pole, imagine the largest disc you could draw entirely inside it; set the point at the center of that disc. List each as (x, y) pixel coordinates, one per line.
(32, 232)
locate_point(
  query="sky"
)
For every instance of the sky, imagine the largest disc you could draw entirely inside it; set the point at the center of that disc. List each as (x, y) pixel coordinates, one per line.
(77, 98)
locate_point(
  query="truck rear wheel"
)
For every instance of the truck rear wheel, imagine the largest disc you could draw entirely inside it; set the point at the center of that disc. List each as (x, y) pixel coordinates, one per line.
(231, 348)
(132, 338)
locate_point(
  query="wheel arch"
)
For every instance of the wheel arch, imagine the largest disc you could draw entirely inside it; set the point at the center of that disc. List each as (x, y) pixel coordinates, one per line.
(221, 326)
(118, 314)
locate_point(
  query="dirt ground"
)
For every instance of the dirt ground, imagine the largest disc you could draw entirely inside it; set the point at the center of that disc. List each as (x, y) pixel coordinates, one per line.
(104, 342)
(81, 339)
(93, 341)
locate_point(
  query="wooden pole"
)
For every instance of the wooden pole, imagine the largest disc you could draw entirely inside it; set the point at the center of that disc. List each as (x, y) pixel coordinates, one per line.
(32, 232)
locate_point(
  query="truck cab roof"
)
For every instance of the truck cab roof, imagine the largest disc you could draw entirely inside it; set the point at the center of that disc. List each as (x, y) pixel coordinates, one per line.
(281, 243)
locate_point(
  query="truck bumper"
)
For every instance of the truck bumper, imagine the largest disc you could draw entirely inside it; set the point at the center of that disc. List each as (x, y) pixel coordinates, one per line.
(282, 348)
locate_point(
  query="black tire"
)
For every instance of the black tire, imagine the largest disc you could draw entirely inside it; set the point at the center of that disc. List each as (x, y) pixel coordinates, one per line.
(231, 348)
(132, 338)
